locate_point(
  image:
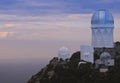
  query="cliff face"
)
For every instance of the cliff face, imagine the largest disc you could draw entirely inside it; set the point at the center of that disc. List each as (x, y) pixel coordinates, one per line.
(68, 71)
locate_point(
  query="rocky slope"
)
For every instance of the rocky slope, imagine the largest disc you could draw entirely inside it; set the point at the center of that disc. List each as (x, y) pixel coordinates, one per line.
(69, 71)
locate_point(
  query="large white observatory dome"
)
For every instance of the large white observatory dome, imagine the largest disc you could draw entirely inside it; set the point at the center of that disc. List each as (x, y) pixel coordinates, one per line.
(63, 53)
(102, 18)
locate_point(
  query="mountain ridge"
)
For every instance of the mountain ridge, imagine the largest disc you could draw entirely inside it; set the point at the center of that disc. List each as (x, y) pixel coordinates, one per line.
(71, 71)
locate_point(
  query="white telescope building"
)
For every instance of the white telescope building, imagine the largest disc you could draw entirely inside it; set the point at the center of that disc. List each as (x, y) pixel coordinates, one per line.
(87, 53)
(102, 29)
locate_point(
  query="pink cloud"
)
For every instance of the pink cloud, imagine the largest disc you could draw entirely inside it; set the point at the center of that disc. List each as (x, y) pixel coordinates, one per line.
(6, 34)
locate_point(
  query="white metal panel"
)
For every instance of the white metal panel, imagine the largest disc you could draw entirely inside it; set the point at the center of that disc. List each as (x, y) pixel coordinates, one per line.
(87, 53)
(102, 38)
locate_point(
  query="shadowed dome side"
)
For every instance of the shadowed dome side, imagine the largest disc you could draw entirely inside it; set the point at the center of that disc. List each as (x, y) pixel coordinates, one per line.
(102, 17)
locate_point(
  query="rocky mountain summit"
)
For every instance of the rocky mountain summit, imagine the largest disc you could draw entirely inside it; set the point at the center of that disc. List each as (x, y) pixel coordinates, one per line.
(74, 71)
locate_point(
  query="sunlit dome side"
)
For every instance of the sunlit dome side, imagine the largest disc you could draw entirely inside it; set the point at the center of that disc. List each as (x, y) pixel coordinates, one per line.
(63, 53)
(103, 18)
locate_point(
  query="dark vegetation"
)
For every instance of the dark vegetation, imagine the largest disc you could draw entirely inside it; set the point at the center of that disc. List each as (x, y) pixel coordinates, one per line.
(59, 71)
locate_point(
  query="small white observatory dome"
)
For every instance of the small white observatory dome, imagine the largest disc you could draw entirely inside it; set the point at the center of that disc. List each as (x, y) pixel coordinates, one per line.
(64, 53)
(102, 18)
(105, 56)
(106, 59)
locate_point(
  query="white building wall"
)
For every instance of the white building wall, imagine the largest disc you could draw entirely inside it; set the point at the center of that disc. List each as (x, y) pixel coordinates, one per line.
(87, 53)
(102, 37)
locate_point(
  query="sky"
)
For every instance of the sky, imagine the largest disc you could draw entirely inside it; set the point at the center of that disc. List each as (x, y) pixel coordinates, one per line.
(32, 31)
(30, 28)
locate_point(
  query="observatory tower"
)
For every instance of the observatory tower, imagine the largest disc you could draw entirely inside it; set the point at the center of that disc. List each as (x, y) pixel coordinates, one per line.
(102, 29)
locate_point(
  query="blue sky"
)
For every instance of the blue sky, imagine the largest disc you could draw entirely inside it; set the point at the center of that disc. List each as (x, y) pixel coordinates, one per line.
(42, 7)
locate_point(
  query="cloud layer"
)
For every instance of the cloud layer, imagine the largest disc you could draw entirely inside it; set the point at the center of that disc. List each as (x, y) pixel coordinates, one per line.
(43, 27)
(46, 19)
(42, 7)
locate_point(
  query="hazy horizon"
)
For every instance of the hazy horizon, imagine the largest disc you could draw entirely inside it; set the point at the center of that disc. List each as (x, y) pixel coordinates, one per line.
(32, 31)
